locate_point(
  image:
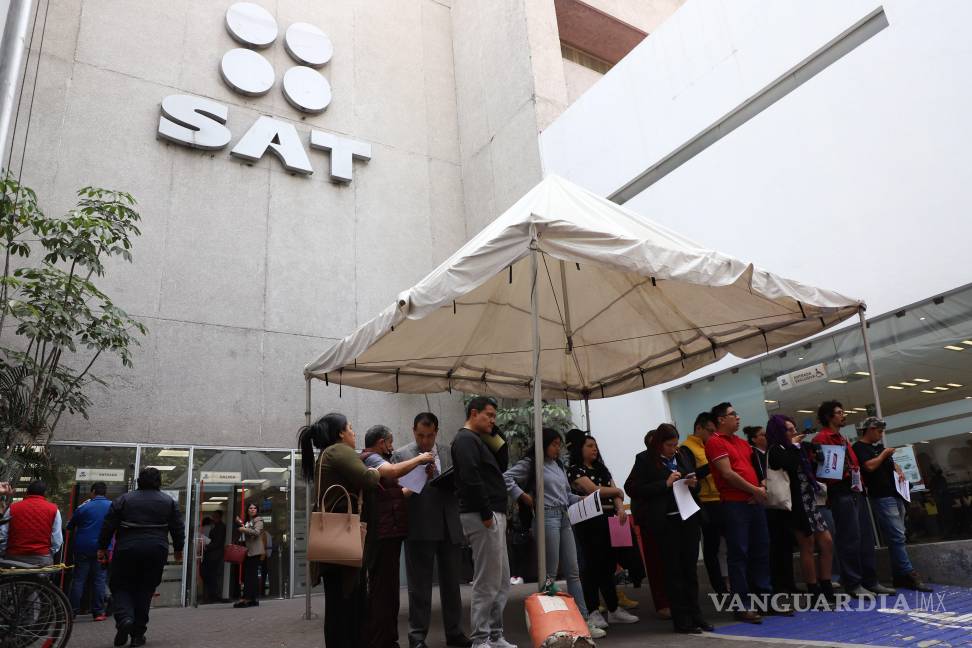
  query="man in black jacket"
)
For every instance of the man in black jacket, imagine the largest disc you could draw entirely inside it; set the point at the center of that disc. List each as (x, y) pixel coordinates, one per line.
(141, 520)
(212, 562)
(482, 510)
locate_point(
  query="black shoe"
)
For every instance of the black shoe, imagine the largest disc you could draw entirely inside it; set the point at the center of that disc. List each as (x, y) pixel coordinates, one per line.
(687, 630)
(138, 640)
(460, 640)
(418, 644)
(121, 633)
(241, 604)
(702, 624)
(748, 617)
(252, 603)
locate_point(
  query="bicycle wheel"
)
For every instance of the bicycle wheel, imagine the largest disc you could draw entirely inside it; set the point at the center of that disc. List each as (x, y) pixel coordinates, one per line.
(33, 613)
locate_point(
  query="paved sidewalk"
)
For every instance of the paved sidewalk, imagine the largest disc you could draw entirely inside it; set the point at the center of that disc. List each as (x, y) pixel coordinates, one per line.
(280, 623)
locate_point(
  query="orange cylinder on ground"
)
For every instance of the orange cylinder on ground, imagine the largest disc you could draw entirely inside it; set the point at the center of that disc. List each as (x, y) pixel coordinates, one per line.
(555, 622)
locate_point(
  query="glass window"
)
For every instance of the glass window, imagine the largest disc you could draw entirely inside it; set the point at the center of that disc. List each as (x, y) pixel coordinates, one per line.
(922, 359)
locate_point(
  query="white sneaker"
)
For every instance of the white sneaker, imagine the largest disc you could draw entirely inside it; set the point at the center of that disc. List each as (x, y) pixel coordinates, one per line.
(621, 616)
(596, 633)
(481, 644)
(516, 580)
(500, 642)
(597, 620)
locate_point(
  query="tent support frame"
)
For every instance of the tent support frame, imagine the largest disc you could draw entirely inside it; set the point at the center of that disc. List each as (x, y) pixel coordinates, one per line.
(539, 453)
(870, 364)
(308, 507)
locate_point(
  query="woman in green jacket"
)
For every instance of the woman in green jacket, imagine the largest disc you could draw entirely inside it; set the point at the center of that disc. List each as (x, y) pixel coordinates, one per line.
(337, 464)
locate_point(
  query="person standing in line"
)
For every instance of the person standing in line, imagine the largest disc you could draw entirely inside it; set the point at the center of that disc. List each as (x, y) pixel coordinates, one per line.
(212, 562)
(747, 538)
(803, 521)
(651, 488)
(711, 519)
(434, 539)
(482, 509)
(387, 518)
(252, 532)
(337, 465)
(587, 474)
(880, 473)
(30, 531)
(86, 524)
(557, 496)
(756, 435)
(139, 521)
(855, 537)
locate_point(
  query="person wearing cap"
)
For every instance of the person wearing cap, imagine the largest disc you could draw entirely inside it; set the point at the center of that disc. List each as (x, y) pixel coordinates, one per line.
(845, 496)
(880, 473)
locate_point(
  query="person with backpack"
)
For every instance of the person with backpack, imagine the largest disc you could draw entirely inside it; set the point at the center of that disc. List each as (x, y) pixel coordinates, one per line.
(557, 496)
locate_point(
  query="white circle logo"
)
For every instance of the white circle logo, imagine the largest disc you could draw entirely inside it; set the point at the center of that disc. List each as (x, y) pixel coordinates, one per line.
(251, 74)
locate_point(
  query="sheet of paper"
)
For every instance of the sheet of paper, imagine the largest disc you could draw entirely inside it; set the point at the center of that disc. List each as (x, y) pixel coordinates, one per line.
(683, 498)
(904, 488)
(585, 509)
(832, 466)
(414, 480)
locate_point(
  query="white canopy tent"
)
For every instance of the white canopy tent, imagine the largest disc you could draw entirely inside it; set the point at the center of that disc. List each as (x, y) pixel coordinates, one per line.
(569, 296)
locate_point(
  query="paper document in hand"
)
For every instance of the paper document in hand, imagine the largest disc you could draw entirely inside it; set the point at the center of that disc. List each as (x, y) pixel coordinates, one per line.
(587, 508)
(683, 498)
(415, 479)
(904, 488)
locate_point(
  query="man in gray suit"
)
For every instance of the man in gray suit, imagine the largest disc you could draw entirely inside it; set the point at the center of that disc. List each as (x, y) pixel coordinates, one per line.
(434, 532)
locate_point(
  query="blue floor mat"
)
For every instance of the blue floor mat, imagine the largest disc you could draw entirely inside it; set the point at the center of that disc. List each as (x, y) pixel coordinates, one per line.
(942, 619)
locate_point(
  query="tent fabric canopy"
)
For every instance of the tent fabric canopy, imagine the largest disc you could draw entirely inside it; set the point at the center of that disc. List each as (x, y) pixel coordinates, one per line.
(624, 304)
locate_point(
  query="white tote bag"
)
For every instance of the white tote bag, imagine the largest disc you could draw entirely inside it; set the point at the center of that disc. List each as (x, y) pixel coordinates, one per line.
(778, 495)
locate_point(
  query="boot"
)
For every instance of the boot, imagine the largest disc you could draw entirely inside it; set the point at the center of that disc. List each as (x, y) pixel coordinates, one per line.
(911, 581)
(827, 590)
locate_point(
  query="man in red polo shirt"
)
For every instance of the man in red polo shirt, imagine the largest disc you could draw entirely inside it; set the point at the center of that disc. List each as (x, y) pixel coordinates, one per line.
(32, 532)
(747, 536)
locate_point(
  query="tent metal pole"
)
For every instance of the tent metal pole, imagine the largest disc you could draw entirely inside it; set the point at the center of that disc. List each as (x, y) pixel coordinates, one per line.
(537, 421)
(870, 364)
(587, 413)
(308, 507)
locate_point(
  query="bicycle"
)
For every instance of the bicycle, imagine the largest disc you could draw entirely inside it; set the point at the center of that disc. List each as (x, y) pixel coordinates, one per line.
(34, 612)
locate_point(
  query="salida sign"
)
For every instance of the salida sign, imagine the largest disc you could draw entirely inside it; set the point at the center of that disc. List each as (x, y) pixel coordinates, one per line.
(198, 122)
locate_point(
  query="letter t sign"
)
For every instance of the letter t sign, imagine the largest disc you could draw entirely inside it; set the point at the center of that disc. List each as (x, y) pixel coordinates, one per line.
(343, 152)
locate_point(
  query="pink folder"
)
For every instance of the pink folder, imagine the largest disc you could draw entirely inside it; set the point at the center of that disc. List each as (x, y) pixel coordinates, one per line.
(620, 533)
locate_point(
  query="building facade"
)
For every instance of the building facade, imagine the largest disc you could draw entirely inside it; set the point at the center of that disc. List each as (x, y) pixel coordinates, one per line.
(826, 143)
(296, 165)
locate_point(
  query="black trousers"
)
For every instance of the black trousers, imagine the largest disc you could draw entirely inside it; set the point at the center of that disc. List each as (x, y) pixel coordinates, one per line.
(251, 578)
(420, 557)
(381, 627)
(211, 571)
(711, 525)
(344, 603)
(679, 542)
(780, 551)
(600, 563)
(135, 574)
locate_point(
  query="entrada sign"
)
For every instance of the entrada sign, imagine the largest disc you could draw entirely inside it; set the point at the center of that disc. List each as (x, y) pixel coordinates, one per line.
(198, 122)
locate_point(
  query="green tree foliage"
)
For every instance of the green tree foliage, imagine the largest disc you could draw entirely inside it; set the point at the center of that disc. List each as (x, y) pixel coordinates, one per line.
(55, 322)
(516, 422)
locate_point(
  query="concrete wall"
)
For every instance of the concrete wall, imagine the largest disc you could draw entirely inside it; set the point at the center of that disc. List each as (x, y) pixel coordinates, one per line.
(855, 181)
(244, 272)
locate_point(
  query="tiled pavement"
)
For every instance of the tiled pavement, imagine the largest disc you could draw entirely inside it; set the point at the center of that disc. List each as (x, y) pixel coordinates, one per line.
(942, 624)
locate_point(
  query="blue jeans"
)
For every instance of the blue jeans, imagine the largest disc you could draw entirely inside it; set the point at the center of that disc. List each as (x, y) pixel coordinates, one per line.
(86, 565)
(562, 552)
(747, 547)
(890, 512)
(828, 517)
(854, 541)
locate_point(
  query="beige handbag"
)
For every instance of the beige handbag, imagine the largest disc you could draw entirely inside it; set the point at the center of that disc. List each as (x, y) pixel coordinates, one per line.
(335, 538)
(778, 494)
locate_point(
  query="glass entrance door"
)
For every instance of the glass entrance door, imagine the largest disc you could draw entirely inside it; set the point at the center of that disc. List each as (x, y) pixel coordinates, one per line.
(174, 465)
(228, 482)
